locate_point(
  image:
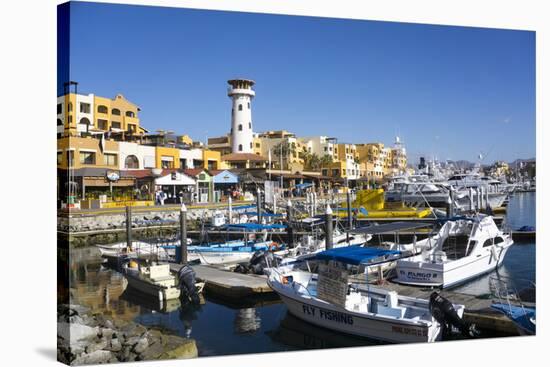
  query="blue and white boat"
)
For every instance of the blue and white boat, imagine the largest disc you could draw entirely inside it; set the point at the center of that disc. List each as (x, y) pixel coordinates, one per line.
(238, 250)
(523, 317)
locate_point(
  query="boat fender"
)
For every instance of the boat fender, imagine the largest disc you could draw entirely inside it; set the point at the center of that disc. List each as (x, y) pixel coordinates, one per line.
(444, 312)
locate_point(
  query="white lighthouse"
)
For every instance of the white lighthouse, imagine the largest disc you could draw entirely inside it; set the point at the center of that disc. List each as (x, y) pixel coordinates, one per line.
(241, 93)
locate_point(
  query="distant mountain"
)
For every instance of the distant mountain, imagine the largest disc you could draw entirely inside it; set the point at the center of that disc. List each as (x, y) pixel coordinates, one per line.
(518, 161)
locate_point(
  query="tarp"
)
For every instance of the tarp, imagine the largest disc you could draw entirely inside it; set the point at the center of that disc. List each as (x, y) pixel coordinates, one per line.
(355, 255)
(255, 226)
(391, 227)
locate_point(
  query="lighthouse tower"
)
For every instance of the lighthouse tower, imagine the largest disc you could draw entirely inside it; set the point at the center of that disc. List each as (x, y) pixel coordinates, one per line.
(241, 93)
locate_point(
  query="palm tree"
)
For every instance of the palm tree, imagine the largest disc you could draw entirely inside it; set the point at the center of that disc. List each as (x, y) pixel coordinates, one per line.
(283, 150)
(325, 160)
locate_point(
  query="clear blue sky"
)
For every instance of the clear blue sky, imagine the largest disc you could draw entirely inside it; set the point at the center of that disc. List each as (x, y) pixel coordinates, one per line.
(452, 92)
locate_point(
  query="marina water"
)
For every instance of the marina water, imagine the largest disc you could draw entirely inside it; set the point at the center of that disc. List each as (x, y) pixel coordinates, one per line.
(222, 328)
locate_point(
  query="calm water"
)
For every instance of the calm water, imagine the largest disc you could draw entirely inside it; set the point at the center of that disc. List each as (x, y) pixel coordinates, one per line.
(221, 328)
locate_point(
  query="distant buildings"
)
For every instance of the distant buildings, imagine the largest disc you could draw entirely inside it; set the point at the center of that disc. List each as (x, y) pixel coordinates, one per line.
(102, 148)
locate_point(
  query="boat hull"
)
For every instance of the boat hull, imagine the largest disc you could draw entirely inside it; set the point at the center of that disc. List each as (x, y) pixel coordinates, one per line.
(153, 290)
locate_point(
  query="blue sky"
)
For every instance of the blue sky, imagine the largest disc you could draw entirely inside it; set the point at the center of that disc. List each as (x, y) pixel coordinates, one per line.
(452, 92)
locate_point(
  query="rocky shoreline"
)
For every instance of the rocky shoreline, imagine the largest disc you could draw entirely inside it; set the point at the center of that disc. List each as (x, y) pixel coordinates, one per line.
(84, 337)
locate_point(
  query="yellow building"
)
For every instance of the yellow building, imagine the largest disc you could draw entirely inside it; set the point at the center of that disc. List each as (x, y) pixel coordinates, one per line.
(81, 152)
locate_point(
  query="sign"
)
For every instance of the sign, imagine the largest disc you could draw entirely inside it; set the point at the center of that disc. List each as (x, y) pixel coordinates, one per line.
(112, 176)
(332, 285)
(270, 188)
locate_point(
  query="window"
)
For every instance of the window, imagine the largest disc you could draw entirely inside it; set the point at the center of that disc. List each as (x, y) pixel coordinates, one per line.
(240, 127)
(132, 128)
(59, 108)
(498, 240)
(240, 107)
(131, 162)
(84, 121)
(248, 105)
(326, 149)
(250, 144)
(87, 157)
(212, 165)
(84, 107)
(59, 122)
(240, 147)
(102, 109)
(70, 119)
(183, 163)
(257, 145)
(70, 158)
(197, 163)
(109, 159)
(250, 125)
(102, 124)
(70, 107)
(59, 158)
(130, 114)
(115, 111)
(115, 124)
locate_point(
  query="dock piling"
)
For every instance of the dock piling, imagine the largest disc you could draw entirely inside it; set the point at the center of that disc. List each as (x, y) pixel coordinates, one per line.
(129, 227)
(183, 235)
(328, 228)
(259, 205)
(350, 224)
(289, 224)
(230, 210)
(471, 193)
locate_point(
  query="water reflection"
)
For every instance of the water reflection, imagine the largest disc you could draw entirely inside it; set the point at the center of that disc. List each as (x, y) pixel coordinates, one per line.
(247, 321)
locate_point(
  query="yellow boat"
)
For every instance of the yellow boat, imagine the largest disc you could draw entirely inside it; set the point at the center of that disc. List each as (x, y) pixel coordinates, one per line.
(372, 201)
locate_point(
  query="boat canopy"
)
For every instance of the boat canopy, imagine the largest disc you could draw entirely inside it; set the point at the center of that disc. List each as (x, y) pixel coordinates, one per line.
(355, 255)
(255, 226)
(390, 227)
(243, 207)
(304, 185)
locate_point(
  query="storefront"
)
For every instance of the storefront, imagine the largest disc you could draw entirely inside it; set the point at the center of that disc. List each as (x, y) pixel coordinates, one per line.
(177, 186)
(204, 187)
(225, 182)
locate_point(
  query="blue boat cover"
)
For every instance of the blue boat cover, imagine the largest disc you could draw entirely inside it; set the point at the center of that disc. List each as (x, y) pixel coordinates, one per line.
(519, 315)
(243, 207)
(304, 185)
(255, 226)
(264, 214)
(354, 255)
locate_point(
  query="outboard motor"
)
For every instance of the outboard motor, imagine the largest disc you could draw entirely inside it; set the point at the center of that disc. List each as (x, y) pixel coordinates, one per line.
(443, 311)
(186, 277)
(258, 262)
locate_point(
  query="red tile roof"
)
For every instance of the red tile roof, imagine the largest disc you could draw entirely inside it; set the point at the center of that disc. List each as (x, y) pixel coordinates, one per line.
(234, 157)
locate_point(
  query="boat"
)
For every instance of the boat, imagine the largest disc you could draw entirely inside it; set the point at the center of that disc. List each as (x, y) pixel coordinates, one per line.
(465, 248)
(328, 300)
(519, 307)
(153, 280)
(163, 250)
(235, 251)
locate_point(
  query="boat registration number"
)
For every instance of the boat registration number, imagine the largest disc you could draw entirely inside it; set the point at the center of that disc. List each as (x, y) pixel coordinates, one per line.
(409, 331)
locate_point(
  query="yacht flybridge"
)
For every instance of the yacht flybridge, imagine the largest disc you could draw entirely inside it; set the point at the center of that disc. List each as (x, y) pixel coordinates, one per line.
(466, 247)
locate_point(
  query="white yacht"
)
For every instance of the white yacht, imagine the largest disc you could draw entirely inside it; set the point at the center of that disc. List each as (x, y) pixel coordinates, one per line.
(465, 248)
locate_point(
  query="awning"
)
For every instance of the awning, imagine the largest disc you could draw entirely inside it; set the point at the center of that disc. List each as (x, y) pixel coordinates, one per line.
(390, 227)
(304, 185)
(356, 255)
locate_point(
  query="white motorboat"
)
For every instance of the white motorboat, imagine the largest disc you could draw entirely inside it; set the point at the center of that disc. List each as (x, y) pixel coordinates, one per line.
(465, 248)
(162, 250)
(374, 313)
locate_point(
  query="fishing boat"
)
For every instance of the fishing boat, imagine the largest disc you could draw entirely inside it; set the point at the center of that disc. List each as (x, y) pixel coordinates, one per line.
(465, 248)
(328, 300)
(153, 280)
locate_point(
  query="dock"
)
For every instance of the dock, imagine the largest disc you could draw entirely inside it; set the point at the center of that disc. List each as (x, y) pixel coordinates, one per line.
(228, 284)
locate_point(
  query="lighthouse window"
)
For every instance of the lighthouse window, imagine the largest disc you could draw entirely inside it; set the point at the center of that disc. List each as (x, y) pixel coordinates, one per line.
(250, 125)
(248, 105)
(240, 147)
(240, 127)
(240, 107)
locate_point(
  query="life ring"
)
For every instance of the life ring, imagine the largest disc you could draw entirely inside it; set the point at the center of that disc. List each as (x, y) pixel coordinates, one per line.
(273, 246)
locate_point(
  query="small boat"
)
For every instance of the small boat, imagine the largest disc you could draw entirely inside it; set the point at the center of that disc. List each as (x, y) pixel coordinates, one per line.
(153, 280)
(370, 312)
(163, 250)
(465, 248)
(519, 307)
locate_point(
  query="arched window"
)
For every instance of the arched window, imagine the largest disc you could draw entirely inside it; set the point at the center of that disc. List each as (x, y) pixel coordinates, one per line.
(131, 162)
(59, 122)
(240, 147)
(115, 111)
(102, 109)
(130, 114)
(84, 121)
(240, 127)
(240, 107)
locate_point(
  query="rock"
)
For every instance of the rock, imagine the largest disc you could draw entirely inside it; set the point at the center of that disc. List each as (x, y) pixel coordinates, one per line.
(75, 332)
(96, 346)
(178, 348)
(141, 345)
(152, 352)
(115, 346)
(106, 333)
(132, 340)
(134, 330)
(108, 324)
(97, 357)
